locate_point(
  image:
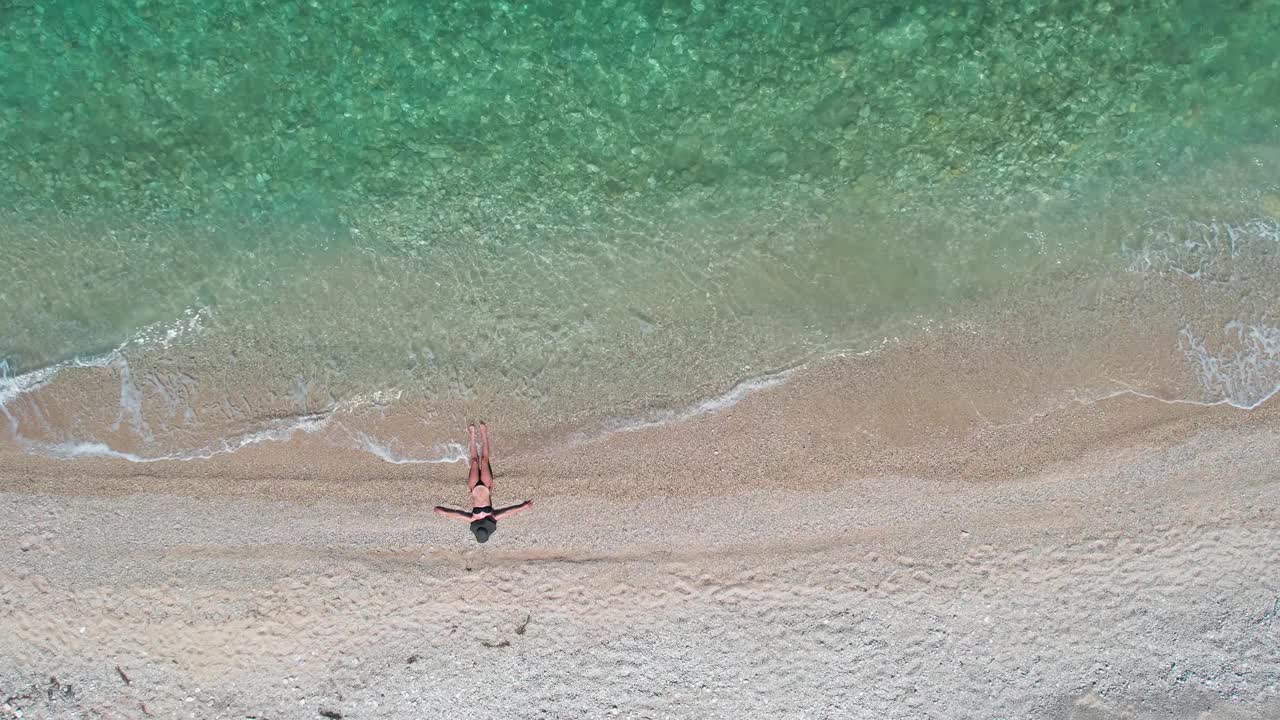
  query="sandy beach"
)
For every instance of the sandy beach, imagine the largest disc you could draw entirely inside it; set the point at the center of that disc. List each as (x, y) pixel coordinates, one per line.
(784, 557)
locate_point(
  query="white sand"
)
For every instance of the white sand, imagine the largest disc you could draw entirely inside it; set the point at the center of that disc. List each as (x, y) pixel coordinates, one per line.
(785, 558)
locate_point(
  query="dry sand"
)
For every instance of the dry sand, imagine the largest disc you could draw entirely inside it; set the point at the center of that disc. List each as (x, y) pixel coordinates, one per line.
(799, 555)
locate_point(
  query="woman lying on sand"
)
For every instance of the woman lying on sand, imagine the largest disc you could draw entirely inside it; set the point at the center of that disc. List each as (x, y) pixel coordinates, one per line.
(484, 519)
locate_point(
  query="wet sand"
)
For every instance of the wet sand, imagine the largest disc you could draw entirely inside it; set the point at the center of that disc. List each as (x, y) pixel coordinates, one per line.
(849, 543)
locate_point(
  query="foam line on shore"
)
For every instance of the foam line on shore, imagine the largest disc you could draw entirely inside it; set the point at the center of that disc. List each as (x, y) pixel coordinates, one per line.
(734, 395)
(1244, 372)
(72, 450)
(386, 451)
(724, 401)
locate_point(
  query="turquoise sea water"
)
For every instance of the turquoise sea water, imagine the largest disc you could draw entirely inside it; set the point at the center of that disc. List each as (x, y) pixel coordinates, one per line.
(244, 211)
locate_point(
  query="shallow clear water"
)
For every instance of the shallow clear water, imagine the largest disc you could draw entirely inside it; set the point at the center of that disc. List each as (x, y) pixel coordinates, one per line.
(598, 208)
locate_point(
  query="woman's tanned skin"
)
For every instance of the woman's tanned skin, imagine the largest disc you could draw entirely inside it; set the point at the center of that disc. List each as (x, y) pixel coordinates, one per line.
(480, 484)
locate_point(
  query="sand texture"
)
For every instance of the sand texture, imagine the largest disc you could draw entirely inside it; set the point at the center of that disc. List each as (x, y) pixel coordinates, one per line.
(783, 558)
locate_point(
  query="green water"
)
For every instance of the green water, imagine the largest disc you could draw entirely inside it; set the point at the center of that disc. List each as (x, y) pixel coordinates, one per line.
(596, 206)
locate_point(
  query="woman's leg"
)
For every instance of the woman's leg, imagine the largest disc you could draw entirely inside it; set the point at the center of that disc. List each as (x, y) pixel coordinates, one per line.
(473, 474)
(486, 470)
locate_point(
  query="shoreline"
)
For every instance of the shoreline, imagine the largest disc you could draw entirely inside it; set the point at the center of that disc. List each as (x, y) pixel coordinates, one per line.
(1141, 541)
(1160, 326)
(892, 420)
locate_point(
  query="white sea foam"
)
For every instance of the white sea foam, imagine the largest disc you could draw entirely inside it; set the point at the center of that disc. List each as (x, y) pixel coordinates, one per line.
(388, 451)
(713, 405)
(162, 334)
(14, 386)
(130, 400)
(157, 334)
(276, 431)
(1196, 248)
(1242, 369)
(724, 401)
(378, 399)
(735, 395)
(728, 399)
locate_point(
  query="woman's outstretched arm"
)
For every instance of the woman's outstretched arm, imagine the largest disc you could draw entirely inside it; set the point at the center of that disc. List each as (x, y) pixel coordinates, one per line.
(453, 513)
(512, 510)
